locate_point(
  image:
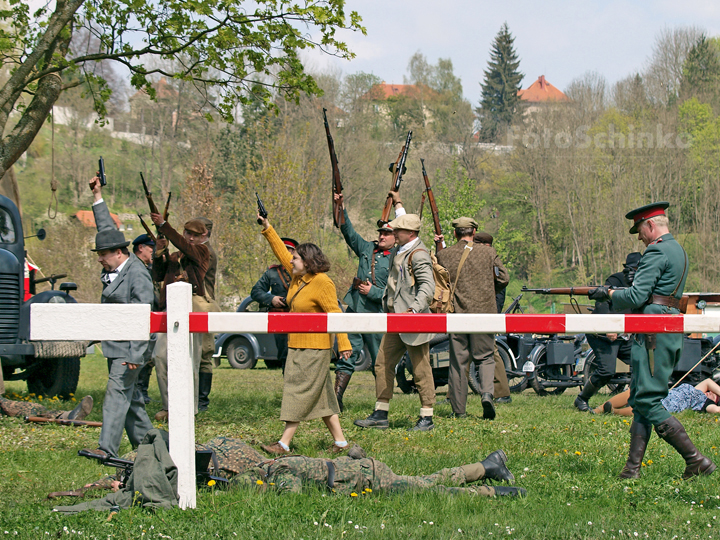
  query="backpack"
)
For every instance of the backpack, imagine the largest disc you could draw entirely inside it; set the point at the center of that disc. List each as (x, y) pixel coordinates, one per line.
(442, 301)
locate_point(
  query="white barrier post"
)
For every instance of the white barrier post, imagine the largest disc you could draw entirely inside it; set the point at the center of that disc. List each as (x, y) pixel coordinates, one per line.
(181, 389)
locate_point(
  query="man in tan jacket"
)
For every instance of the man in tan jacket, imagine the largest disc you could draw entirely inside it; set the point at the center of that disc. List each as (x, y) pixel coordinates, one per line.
(474, 292)
(410, 288)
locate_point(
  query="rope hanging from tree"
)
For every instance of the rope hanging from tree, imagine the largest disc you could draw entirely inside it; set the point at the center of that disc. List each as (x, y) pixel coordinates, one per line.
(52, 212)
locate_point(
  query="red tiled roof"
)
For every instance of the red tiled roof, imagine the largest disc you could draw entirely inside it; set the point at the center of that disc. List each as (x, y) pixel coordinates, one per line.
(541, 91)
(87, 218)
(163, 90)
(383, 91)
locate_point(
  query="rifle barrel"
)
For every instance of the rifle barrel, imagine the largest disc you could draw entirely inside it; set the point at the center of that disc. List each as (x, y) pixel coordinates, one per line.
(61, 421)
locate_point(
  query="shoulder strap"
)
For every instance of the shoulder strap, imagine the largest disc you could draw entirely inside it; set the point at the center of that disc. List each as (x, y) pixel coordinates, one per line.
(300, 288)
(280, 274)
(682, 276)
(466, 251)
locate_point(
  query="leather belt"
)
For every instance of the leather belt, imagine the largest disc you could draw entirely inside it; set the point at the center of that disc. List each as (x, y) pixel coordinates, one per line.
(331, 474)
(669, 301)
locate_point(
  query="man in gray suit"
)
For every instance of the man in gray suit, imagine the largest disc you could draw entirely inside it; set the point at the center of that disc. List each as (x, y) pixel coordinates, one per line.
(125, 281)
(410, 288)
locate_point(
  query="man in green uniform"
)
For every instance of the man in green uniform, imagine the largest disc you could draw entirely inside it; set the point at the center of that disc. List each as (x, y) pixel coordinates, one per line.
(366, 292)
(656, 289)
(270, 292)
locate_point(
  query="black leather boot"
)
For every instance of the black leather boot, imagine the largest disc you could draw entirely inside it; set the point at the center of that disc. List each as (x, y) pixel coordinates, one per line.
(588, 391)
(673, 433)
(509, 491)
(378, 419)
(341, 381)
(639, 437)
(495, 468)
(488, 406)
(204, 387)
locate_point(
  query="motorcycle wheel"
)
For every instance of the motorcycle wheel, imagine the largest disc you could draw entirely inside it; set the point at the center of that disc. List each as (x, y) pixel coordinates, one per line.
(544, 374)
(404, 376)
(589, 369)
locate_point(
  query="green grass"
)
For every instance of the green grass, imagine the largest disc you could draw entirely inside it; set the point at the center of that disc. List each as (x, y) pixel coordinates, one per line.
(567, 461)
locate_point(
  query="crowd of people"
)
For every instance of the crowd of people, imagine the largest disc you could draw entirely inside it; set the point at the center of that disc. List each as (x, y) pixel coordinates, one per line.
(396, 273)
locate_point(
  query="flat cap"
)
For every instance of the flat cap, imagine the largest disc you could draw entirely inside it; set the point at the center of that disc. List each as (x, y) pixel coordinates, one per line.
(481, 237)
(205, 221)
(143, 239)
(409, 222)
(196, 226)
(464, 223)
(646, 212)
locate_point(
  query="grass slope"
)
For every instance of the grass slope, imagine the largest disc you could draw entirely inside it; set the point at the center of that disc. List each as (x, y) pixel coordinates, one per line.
(567, 461)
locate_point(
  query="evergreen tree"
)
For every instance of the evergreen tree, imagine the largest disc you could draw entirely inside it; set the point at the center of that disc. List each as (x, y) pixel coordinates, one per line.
(500, 101)
(701, 71)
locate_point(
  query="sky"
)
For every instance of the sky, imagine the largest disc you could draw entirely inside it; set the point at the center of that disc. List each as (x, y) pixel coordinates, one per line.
(557, 38)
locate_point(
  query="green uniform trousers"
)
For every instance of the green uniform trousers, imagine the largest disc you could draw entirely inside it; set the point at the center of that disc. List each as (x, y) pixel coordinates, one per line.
(358, 342)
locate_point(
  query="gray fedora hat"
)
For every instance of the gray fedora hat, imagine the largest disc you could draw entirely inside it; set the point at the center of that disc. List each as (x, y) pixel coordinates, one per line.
(110, 239)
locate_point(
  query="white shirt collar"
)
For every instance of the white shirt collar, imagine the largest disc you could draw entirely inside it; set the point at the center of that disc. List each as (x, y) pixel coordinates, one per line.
(409, 245)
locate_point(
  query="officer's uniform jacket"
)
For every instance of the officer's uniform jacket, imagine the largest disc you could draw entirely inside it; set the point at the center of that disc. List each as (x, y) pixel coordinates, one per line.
(475, 290)
(662, 266)
(367, 252)
(131, 286)
(413, 290)
(274, 282)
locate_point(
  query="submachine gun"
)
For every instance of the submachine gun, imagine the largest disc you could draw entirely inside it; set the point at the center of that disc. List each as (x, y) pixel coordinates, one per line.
(338, 214)
(125, 467)
(569, 291)
(398, 169)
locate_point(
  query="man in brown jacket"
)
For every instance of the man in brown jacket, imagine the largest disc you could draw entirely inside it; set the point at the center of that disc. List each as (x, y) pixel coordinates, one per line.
(474, 292)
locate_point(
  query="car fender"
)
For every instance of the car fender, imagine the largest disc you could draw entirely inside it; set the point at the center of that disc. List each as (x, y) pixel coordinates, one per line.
(221, 339)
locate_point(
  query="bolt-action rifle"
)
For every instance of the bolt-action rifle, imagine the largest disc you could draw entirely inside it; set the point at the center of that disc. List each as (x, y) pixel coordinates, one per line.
(398, 169)
(433, 207)
(570, 291)
(153, 206)
(147, 229)
(338, 214)
(61, 421)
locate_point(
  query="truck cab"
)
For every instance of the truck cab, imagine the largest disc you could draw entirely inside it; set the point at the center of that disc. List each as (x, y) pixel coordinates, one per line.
(50, 368)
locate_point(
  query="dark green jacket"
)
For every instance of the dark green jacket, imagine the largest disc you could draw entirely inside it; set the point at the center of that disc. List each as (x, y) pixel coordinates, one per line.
(662, 267)
(366, 251)
(270, 285)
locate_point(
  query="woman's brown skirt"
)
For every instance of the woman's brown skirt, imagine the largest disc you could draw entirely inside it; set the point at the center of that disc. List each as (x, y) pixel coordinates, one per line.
(307, 389)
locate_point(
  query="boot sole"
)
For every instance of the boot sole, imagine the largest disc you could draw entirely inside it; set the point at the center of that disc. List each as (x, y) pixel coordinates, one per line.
(372, 426)
(488, 410)
(706, 472)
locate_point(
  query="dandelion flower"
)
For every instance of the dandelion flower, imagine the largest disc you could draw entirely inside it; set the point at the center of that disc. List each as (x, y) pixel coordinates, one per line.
(259, 482)
(368, 490)
(353, 494)
(578, 453)
(211, 483)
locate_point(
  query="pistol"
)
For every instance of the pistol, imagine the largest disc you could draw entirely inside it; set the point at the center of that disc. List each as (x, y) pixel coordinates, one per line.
(261, 209)
(101, 171)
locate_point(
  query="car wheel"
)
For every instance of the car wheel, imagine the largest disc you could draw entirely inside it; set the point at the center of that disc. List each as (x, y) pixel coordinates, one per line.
(55, 377)
(364, 360)
(240, 353)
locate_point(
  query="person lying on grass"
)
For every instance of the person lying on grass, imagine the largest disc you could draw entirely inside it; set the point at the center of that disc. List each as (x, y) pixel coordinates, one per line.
(703, 397)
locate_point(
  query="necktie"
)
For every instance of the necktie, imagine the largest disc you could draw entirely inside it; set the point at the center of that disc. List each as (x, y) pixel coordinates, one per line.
(105, 278)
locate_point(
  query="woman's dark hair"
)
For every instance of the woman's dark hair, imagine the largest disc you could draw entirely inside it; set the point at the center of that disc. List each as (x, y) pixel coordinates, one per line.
(314, 259)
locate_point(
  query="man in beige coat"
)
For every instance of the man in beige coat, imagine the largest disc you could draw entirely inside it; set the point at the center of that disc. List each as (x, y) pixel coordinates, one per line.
(410, 288)
(474, 293)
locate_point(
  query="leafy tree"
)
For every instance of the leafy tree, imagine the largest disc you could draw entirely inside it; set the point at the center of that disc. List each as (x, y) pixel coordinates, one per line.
(227, 49)
(701, 71)
(500, 101)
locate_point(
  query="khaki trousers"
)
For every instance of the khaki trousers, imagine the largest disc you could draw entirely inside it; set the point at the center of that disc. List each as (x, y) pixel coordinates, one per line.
(392, 349)
(205, 304)
(500, 383)
(464, 348)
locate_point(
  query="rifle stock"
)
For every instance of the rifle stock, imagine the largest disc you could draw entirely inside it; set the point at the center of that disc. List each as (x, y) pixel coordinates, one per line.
(61, 421)
(398, 169)
(433, 207)
(147, 229)
(338, 214)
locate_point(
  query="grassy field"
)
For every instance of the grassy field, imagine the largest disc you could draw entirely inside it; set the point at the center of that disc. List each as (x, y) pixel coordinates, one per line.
(567, 461)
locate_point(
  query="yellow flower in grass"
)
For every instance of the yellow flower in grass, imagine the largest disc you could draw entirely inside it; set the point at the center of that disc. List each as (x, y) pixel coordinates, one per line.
(259, 482)
(577, 453)
(649, 461)
(353, 494)
(368, 490)
(211, 483)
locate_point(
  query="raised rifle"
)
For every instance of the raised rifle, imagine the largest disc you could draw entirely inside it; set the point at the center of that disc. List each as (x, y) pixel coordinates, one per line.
(433, 207)
(152, 205)
(398, 169)
(61, 421)
(261, 209)
(147, 229)
(569, 291)
(166, 212)
(338, 214)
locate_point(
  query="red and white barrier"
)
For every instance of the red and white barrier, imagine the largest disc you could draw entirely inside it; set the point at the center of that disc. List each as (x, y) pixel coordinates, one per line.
(125, 322)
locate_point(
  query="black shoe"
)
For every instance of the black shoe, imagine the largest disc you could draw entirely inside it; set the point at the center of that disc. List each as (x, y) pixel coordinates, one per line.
(509, 491)
(378, 420)
(495, 468)
(204, 388)
(488, 406)
(582, 401)
(455, 415)
(505, 399)
(424, 423)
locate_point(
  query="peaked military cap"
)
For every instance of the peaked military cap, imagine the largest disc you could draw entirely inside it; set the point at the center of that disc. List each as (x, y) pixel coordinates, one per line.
(110, 239)
(143, 239)
(646, 212)
(290, 242)
(409, 222)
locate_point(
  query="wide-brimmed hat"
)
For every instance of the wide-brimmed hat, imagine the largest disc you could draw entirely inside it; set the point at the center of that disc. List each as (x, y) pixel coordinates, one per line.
(110, 239)
(646, 212)
(409, 222)
(196, 226)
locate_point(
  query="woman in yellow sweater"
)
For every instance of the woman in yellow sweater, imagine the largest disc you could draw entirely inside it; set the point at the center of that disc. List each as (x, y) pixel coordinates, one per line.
(307, 386)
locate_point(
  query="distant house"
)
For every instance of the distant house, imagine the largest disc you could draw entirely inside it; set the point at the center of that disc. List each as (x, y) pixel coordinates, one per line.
(87, 219)
(541, 93)
(381, 94)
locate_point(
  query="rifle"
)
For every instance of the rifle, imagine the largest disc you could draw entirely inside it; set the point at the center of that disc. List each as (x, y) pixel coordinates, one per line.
(515, 306)
(166, 212)
(147, 229)
(398, 169)
(261, 209)
(433, 207)
(570, 291)
(101, 171)
(152, 205)
(338, 214)
(61, 421)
